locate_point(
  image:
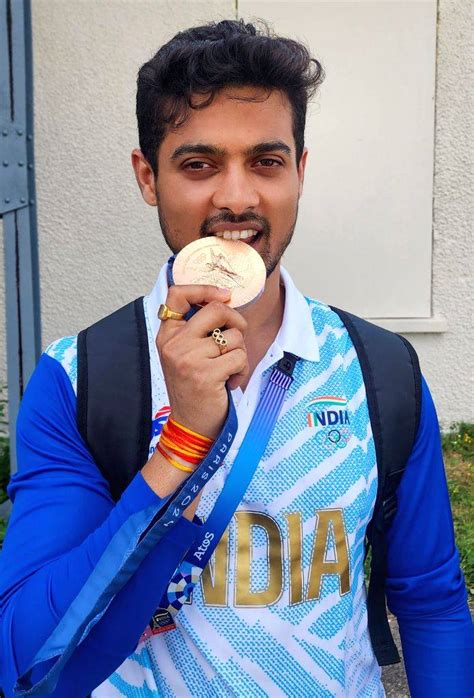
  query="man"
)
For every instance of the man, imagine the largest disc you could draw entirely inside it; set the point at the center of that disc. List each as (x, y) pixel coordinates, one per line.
(282, 609)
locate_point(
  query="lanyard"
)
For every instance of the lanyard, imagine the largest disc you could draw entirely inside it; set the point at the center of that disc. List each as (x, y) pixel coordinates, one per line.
(243, 469)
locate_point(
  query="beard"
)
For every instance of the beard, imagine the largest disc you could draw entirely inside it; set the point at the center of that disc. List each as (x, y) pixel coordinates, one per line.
(271, 258)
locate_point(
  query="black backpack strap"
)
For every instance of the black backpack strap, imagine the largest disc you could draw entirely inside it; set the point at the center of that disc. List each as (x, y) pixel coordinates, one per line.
(392, 378)
(114, 393)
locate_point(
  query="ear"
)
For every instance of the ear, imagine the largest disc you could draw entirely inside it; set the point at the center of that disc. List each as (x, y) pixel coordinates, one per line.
(144, 176)
(301, 170)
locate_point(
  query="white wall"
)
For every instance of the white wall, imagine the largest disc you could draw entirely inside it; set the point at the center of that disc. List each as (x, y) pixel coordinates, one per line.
(365, 222)
(448, 358)
(100, 245)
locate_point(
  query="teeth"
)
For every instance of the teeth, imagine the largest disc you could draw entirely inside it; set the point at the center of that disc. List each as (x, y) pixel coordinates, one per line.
(236, 234)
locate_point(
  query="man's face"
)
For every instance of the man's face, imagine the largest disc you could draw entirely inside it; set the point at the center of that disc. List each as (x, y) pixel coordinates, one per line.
(230, 166)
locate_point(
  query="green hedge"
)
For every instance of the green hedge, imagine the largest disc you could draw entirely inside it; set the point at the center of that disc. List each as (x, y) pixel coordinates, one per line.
(458, 447)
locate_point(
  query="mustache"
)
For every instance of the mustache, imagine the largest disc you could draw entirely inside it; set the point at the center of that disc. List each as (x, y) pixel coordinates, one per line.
(229, 218)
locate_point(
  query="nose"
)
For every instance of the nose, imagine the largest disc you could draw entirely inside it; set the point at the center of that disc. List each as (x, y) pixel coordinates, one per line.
(235, 191)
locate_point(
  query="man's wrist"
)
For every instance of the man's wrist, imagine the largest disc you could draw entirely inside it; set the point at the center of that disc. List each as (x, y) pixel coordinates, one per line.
(164, 479)
(161, 476)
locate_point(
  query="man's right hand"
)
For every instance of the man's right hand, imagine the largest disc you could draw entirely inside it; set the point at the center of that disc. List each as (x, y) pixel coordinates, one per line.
(195, 372)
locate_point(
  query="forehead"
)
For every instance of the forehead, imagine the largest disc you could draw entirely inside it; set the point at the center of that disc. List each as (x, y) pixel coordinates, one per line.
(236, 118)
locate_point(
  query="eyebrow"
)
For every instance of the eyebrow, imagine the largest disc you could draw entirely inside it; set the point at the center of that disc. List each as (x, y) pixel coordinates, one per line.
(207, 149)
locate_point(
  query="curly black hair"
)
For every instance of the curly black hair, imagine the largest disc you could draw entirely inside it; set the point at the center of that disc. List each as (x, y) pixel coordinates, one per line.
(203, 60)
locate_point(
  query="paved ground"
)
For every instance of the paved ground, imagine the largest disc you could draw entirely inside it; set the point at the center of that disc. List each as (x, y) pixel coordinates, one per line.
(393, 677)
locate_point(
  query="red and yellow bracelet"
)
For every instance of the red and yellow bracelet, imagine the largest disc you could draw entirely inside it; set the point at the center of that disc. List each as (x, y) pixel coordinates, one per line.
(184, 443)
(170, 460)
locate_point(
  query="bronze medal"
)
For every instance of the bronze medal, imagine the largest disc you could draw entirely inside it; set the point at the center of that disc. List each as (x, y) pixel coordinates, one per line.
(231, 264)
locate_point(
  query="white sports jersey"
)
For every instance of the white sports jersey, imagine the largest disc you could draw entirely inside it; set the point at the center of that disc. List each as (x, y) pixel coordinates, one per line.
(281, 609)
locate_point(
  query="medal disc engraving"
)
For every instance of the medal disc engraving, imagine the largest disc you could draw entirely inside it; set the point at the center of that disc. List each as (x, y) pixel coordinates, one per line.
(231, 264)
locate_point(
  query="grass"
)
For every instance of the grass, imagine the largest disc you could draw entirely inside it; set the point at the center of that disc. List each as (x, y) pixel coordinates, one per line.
(4, 467)
(4, 475)
(458, 448)
(3, 530)
(458, 454)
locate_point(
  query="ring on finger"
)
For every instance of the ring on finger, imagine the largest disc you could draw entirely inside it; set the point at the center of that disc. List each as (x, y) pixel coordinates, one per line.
(220, 340)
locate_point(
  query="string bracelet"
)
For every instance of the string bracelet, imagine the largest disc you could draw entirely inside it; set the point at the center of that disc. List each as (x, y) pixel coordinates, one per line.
(178, 443)
(188, 441)
(185, 443)
(188, 456)
(173, 462)
(173, 423)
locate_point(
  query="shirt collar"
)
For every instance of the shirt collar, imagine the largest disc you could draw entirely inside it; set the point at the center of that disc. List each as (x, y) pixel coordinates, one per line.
(296, 334)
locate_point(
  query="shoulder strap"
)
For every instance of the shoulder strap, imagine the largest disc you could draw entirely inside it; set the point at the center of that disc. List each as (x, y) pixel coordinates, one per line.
(114, 393)
(392, 378)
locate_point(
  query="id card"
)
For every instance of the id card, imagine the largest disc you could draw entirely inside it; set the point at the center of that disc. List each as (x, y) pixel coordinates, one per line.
(161, 622)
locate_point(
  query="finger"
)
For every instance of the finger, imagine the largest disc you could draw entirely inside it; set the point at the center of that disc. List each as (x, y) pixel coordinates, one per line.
(234, 339)
(215, 314)
(181, 298)
(184, 296)
(237, 378)
(233, 362)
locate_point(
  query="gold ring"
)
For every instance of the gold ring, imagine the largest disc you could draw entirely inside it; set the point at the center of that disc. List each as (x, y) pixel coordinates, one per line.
(164, 313)
(220, 340)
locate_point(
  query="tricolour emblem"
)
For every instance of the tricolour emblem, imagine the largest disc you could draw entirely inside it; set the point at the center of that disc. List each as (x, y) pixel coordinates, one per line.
(329, 415)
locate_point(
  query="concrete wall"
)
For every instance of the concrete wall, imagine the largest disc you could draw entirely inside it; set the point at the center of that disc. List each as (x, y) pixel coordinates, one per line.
(448, 358)
(100, 246)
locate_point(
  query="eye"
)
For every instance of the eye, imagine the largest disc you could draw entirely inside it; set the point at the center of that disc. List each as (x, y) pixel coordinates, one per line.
(195, 166)
(270, 162)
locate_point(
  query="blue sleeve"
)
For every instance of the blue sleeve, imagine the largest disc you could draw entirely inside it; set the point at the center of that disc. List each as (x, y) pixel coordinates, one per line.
(75, 576)
(425, 585)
